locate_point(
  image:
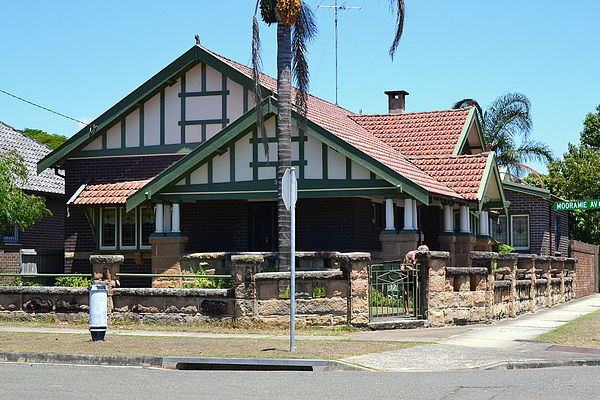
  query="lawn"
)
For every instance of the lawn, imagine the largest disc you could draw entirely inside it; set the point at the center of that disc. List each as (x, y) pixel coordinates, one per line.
(581, 332)
(193, 347)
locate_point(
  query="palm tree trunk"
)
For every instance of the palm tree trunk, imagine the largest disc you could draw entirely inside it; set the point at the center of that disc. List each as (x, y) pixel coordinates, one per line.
(284, 132)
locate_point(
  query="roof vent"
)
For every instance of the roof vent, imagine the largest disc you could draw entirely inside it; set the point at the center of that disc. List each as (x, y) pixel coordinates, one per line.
(396, 101)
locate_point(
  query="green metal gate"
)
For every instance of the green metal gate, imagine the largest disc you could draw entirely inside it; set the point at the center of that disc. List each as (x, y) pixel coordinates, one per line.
(395, 291)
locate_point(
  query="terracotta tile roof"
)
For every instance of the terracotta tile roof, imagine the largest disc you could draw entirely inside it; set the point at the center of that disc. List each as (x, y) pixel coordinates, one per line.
(431, 133)
(340, 122)
(108, 193)
(462, 173)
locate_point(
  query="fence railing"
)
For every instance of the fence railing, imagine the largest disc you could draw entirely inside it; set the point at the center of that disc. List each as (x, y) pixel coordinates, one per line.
(394, 291)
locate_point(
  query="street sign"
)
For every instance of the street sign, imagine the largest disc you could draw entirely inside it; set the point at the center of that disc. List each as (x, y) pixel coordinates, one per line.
(576, 205)
(289, 188)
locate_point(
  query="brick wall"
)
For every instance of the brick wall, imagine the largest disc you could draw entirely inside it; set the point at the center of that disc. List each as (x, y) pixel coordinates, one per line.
(9, 264)
(78, 234)
(541, 230)
(585, 269)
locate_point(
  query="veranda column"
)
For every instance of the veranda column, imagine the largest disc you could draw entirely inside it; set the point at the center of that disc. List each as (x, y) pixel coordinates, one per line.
(465, 240)
(394, 245)
(175, 219)
(447, 238)
(484, 241)
(167, 218)
(159, 219)
(415, 223)
(389, 215)
(448, 219)
(408, 218)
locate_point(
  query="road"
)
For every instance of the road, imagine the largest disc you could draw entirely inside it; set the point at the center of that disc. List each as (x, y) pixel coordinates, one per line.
(18, 381)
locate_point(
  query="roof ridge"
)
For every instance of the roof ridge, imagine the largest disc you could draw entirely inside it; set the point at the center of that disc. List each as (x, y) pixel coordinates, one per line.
(414, 112)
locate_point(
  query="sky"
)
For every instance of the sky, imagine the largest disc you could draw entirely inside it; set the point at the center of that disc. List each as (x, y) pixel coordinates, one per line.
(81, 57)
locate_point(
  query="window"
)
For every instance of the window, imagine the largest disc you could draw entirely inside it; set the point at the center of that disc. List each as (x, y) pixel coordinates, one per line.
(12, 235)
(108, 231)
(520, 231)
(377, 214)
(147, 225)
(499, 229)
(128, 229)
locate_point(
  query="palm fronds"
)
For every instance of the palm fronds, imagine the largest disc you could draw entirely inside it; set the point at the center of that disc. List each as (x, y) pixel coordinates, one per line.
(464, 103)
(305, 30)
(509, 115)
(398, 7)
(256, 89)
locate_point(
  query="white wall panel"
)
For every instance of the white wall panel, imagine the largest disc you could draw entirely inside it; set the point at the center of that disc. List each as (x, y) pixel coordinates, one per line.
(132, 129)
(193, 133)
(235, 100)
(205, 107)
(152, 121)
(213, 79)
(212, 130)
(243, 158)
(172, 114)
(96, 144)
(313, 153)
(360, 172)
(336, 164)
(200, 175)
(221, 168)
(266, 173)
(113, 137)
(193, 79)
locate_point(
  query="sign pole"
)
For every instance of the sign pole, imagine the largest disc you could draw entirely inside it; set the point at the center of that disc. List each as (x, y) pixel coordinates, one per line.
(289, 194)
(293, 268)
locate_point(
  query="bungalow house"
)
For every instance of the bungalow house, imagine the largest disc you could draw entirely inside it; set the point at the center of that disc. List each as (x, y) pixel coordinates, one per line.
(178, 166)
(42, 244)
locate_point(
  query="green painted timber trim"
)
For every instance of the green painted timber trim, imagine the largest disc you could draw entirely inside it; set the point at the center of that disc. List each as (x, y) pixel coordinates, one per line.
(463, 139)
(526, 189)
(123, 141)
(275, 163)
(45, 275)
(210, 170)
(168, 275)
(203, 122)
(103, 142)
(147, 150)
(232, 162)
(325, 160)
(301, 155)
(348, 168)
(203, 77)
(491, 170)
(162, 117)
(245, 100)
(180, 169)
(76, 194)
(275, 139)
(149, 88)
(182, 104)
(255, 156)
(203, 94)
(224, 101)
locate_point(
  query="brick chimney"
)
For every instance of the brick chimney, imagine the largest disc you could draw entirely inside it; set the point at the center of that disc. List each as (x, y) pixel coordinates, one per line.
(396, 101)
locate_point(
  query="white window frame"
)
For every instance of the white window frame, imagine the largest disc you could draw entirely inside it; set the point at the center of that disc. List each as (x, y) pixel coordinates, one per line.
(135, 225)
(528, 231)
(117, 221)
(493, 224)
(139, 220)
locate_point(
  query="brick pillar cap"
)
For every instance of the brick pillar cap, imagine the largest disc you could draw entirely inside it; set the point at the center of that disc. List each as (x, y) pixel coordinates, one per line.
(106, 258)
(241, 259)
(356, 256)
(433, 254)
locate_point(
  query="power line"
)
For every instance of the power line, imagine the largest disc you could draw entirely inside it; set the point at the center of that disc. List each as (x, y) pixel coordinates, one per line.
(42, 107)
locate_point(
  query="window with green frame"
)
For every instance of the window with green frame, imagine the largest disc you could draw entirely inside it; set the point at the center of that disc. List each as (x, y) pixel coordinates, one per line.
(122, 230)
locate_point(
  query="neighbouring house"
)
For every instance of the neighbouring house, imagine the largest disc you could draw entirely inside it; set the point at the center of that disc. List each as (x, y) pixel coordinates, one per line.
(42, 244)
(178, 166)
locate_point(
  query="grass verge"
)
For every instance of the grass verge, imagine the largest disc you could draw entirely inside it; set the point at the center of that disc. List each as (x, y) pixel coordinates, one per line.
(192, 347)
(213, 327)
(581, 332)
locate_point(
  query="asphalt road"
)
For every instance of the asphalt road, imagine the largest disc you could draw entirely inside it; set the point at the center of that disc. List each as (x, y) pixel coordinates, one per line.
(18, 381)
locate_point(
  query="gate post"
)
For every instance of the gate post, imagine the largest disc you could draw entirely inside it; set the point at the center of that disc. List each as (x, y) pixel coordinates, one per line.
(432, 271)
(357, 267)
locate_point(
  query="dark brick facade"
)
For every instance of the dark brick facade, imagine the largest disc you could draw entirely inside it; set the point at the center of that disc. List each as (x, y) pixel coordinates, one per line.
(542, 221)
(46, 234)
(586, 269)
(78, 234)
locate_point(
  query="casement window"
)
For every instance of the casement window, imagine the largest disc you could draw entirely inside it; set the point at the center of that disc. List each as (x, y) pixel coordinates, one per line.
(128, 226)
(499, 229)
(376, 216)
(108, 228)
(519, 228)
(147, 225)
(12, 234)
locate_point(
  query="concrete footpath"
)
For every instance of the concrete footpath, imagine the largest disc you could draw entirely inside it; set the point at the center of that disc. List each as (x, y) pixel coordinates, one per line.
(501, 345)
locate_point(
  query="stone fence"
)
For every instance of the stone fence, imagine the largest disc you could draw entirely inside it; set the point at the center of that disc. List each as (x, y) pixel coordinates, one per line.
(334, 296)
(495, 286)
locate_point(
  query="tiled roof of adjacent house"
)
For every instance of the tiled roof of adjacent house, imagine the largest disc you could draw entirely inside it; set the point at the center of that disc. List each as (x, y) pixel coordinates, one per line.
(417, 134)
(32, 151)
(108, 193)
(463, 173)
(341, 123)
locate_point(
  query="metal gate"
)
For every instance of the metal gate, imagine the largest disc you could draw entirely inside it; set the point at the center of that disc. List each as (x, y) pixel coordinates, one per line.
(395, 291)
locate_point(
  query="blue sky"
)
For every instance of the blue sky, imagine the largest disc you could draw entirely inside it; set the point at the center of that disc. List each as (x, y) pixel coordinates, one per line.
(81, 57)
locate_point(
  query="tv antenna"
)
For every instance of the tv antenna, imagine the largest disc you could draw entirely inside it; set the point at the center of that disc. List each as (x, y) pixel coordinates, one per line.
(336, 10)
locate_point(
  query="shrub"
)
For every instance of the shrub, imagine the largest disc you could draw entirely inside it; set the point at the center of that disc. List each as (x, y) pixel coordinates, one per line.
(19, 282)
(205, 283)
(319, 292)
(504, 248)
(72, 281)
(270, 268)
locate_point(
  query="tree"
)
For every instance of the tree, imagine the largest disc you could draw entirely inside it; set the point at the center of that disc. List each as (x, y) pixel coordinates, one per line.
(49, 139)
(506, 119)
(17, 207)
(292, 62)
(590, 135)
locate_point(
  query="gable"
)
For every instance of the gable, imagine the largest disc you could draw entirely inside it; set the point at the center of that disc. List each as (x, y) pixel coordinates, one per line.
(470, 140)
(183, 105)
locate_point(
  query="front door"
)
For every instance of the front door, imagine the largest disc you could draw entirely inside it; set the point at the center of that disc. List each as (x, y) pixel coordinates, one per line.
(263, 226)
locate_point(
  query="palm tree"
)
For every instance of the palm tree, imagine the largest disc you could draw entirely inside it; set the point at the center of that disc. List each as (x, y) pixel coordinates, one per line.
(295, 28)
(506, 119)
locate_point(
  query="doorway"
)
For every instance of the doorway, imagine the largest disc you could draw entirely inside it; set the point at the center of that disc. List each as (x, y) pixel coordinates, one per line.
(263, 226)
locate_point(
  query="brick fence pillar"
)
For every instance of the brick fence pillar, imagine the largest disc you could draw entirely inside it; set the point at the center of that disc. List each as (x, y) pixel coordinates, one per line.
(245, 267)
(356, 266)
(432, 271)
(166, 255)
